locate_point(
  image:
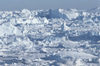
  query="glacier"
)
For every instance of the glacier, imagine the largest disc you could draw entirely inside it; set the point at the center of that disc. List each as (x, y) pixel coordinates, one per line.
(53, 37)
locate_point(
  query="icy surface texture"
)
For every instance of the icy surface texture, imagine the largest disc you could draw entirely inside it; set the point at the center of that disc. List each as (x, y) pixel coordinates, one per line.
(50, 37)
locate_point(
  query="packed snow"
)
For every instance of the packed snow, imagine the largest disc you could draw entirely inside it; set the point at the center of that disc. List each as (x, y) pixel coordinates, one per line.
(50, 37)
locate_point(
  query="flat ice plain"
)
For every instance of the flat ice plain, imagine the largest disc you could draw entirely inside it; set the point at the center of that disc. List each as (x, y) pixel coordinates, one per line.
(50, 37)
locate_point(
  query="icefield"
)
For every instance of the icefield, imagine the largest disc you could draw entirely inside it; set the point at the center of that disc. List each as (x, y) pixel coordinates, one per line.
(50, 37)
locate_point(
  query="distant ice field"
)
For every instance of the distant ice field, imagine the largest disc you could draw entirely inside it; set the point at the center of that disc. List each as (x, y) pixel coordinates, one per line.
(50, 37)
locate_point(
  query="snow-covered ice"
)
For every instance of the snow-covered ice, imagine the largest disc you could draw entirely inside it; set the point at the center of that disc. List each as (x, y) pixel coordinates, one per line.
(50, 37)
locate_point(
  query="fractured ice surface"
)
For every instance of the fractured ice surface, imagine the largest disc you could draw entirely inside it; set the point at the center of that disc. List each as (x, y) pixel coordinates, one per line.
(50, 37)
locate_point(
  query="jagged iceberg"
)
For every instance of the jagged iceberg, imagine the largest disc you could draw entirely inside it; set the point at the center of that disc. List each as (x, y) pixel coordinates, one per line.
(50, 37)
